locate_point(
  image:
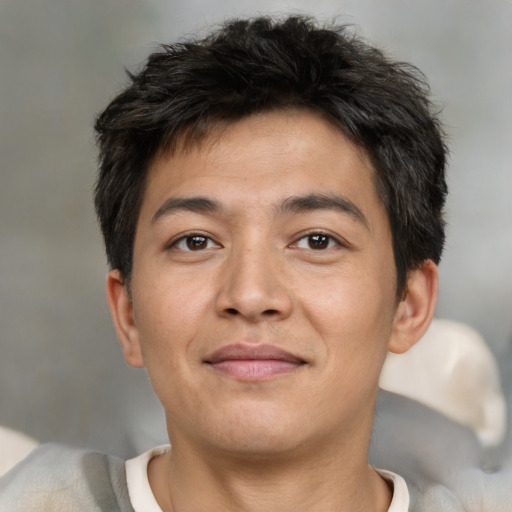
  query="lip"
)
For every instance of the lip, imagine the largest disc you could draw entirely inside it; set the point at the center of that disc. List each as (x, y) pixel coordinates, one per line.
(253, 362)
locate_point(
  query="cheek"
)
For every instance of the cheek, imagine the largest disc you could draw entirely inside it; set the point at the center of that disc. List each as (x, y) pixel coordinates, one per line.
(169, 312)
(353, 316)
(349, 301)
(169, 321)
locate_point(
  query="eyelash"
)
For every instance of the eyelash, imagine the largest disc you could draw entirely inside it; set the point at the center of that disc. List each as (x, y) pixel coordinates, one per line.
(189, 237)
(308, 238)
(331, 241)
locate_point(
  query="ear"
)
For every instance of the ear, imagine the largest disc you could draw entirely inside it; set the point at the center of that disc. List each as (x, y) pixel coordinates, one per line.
(416, 310)
(121, 310)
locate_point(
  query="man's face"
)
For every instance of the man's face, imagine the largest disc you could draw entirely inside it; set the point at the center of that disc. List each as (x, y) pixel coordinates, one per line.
(263, 287)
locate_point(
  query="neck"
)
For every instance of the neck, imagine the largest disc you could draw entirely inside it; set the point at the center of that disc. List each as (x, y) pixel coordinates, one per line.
(337, 480)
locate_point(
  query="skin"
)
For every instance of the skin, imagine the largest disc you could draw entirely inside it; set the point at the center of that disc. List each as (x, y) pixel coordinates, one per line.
(315, 278)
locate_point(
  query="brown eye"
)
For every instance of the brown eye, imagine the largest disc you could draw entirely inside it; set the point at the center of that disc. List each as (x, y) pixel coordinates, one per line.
(318, 241)
(196, 243)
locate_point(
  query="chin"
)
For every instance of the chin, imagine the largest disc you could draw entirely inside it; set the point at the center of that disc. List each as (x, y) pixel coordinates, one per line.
(260, 434)
(260, 446)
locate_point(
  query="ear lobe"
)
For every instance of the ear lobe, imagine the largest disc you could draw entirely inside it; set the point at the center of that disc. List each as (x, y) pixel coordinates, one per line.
(122, 314)
(416, 310)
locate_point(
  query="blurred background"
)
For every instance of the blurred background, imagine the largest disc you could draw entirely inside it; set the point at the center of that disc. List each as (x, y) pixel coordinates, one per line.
(62, 376)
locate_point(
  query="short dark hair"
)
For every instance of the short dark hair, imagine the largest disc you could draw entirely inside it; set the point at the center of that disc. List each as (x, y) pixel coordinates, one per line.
(264, 64)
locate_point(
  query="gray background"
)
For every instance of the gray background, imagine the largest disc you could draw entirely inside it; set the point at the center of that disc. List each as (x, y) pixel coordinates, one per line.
(62, 376)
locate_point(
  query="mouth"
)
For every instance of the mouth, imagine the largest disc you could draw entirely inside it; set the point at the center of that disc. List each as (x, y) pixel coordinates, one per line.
(253, 362)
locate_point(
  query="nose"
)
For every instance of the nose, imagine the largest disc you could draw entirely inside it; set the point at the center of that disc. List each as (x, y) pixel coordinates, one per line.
(253, 287)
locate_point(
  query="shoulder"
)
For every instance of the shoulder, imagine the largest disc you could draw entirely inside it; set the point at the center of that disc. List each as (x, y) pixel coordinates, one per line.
(56, 478)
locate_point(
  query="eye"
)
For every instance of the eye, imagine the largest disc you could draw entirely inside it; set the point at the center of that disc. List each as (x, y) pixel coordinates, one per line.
(194, 243)
(317, 242)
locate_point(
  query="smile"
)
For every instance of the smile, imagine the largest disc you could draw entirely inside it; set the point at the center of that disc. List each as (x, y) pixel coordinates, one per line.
(253, 363)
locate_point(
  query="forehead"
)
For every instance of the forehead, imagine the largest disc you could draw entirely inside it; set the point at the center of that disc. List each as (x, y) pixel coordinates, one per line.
(261, 160)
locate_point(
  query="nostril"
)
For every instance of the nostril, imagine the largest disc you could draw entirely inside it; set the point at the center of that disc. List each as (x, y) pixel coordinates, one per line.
(232, 311)
(270, 312)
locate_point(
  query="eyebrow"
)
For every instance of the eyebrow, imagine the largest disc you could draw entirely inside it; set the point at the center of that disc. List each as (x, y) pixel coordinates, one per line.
(291, 205)
(190, 204)
(319, 201)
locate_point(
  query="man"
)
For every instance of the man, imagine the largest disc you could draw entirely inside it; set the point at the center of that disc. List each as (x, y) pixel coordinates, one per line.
(271, 200)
